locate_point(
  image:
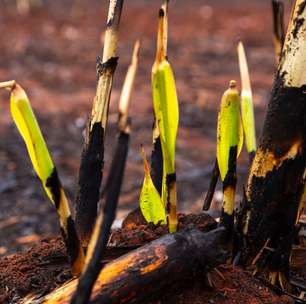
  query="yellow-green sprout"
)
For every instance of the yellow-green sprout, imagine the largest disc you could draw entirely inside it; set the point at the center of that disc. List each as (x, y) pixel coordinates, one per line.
(151, 205)
(247, 111)
(167, 116)
(229, 144)
(28, 127)
(229, 132)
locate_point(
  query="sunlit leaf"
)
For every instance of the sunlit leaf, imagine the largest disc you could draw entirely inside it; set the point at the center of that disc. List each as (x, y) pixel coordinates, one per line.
(28, 127)
(229, 132)
(151, 205)
(167, 115)
(166, 110)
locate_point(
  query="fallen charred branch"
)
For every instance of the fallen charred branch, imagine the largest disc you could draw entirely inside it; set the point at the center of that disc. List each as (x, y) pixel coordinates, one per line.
(148, 271)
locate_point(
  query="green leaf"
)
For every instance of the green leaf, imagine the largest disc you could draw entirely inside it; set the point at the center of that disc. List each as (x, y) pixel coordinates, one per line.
(28, 127)
(167, 114)
(229, 130)
(150, 202)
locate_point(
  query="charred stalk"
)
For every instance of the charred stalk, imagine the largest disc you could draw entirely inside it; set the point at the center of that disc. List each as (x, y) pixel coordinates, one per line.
(91, 168)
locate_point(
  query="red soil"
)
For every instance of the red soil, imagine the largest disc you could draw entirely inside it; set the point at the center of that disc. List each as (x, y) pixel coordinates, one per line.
(45, 266)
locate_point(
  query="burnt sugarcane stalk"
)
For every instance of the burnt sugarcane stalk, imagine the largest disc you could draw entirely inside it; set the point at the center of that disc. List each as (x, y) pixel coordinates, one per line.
(212, 186)
(278, 27)
(302, 200)
(91, 168)
(299, 218)
(104, 222)
(276, 183)
(105, 219)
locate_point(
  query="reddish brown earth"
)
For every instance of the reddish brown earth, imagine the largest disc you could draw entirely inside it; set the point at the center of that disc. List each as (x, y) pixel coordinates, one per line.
(232, 285)
(132, 234)
(45, 267)
(40, 269)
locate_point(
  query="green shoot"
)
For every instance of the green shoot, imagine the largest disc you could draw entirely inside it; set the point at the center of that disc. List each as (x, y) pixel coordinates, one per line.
(167, 115)
(229, 144)
(247, 109)
(151, 205)
(28, 127)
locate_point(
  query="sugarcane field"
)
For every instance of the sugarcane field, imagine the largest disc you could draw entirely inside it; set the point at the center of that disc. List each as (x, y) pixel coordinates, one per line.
(153, 151)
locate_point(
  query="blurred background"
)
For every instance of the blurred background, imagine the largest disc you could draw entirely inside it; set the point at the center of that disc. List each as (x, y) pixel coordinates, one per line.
(50, 48)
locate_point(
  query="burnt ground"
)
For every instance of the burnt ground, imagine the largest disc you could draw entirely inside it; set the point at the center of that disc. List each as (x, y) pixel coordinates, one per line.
(45, 267)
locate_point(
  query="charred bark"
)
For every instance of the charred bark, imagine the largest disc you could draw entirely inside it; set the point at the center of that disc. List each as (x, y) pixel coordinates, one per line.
(278, 27)
(212, 186)
(91, 168)
(275, 184)
(157, 165)
(229, 188)
(145, 273)
(101, 235)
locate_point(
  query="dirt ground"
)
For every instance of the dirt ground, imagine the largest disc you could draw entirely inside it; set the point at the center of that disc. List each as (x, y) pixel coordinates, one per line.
(45, 267)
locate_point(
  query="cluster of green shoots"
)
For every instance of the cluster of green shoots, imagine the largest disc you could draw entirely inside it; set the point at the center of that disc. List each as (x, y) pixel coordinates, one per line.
(158, 206)
(235, 116)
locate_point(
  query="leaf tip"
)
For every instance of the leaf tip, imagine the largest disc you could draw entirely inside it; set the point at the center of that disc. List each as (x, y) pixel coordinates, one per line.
(233, 84)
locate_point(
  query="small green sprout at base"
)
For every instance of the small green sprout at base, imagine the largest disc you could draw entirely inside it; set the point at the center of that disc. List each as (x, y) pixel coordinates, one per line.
(151, 205)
